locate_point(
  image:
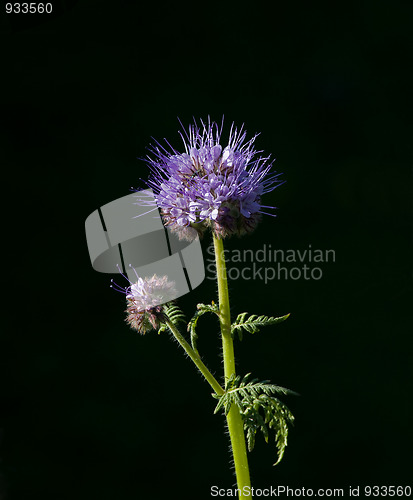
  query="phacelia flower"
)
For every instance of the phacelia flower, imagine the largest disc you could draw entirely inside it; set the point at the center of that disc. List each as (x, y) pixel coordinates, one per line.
(145, 299)
(209, 185)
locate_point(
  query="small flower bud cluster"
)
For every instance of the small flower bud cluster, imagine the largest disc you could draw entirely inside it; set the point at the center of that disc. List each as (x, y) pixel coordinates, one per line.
(145, 299)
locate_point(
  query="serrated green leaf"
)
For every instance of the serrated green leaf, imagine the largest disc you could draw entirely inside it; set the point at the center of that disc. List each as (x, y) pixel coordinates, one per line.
(221, 403)
(253, 323)
(260, 410)
(174, 313)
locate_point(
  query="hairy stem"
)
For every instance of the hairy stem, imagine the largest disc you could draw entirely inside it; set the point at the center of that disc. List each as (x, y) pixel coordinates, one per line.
(195, 358)
(234, 419)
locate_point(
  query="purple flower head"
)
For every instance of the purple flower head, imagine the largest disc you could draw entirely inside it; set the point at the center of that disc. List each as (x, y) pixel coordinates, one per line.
(145, 299)
(210, 185)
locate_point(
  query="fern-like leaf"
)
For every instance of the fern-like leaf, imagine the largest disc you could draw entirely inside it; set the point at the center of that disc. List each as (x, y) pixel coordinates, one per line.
(260, 410)
(174, 313)
(253, 323)
(201, 309)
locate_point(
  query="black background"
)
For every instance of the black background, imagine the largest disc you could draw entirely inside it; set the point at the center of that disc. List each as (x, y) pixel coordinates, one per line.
(91, 410)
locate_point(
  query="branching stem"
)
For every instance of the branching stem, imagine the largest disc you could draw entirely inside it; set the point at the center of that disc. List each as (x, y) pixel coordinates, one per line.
(195, 358)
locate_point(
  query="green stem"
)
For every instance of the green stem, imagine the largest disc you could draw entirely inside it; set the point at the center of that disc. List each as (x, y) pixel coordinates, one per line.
(196, 359)
(234, 419)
